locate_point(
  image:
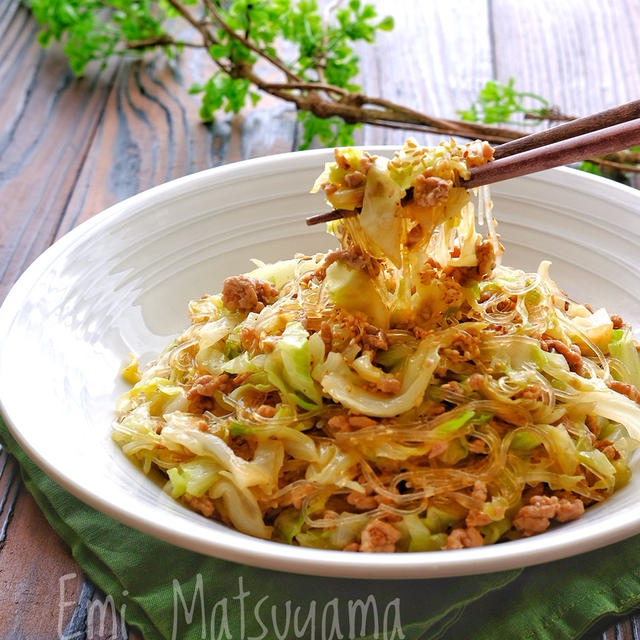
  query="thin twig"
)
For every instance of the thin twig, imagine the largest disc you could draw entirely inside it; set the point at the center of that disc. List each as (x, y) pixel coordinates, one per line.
(309, 86)
(326, 100)
(196, 24)
(610, 164)
(163, 40)
(257, 50)
(444, 131)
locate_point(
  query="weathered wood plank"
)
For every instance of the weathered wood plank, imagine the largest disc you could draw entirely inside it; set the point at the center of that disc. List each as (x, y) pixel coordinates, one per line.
(582, 55)
(435, 61)
(151, 132)
(32, 561)
(48, 120)
(9, 492)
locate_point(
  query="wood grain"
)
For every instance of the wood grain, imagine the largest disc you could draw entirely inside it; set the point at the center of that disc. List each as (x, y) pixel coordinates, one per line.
(424, 64)
(151, 133)
(32, 561)
(48, 121)
(71, 147)
(582, 55)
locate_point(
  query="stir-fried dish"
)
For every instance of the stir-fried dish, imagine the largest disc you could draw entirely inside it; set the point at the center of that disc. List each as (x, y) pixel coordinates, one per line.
(405, 392)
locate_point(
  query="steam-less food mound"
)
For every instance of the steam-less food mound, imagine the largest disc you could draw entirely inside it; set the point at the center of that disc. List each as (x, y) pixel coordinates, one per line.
(404, 392)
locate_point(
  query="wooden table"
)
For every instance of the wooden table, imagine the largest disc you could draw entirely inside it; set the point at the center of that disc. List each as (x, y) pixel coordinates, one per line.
(70, 147)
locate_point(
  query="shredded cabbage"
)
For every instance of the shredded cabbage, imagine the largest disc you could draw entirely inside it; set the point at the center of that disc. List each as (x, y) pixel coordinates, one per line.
(405, 392)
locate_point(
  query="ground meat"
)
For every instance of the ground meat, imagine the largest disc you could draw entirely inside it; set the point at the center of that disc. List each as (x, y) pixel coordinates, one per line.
(536, 516)
(204, 388)
(486, 256)
(360, 422)
(362, 501)
(339, 423)
(429, 191)
(507, 305)
(569, 509)
(207, 385)
(476, 381)
(345, 423)
(476, 517)
(607, 447)
(617, 321)
(478, 153)
(341, 159)
(244, 293)
(571, 353)
(454, 386)
(626, 389)
(352, 257)
(464, 538)
(354, 179)
(266, 411)
(379, 536)
(203, 504)
(531, 392)
(374, 337)
(329, 188)
(389, 385)
(366, 160)
(239, 379)
(464, 346)
(297, 495)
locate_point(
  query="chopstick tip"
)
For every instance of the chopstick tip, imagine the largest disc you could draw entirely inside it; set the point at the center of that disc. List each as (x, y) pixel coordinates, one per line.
(330, 216)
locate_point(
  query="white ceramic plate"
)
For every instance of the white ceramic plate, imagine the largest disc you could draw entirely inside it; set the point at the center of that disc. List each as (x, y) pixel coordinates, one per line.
(120, 283)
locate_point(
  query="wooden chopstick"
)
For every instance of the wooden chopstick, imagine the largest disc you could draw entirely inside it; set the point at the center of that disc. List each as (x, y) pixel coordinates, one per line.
(578, 127)
(601, 133)
(619, 136)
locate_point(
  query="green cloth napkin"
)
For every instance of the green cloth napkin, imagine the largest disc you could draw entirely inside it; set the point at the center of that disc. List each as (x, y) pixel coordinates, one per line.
(155, 582)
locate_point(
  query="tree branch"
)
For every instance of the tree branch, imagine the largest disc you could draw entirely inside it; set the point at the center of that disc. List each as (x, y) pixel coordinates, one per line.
(163, 40)
(326, 100)
(247, 43)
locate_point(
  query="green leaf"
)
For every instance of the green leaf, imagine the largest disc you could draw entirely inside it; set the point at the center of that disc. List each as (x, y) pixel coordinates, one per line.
(44, 38)
(502, 103)
(95, 30)
(386, 24)
(218, 51)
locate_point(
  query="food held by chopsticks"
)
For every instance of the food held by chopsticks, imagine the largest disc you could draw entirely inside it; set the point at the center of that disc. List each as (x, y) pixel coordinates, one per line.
(403, 392)
(599, 133)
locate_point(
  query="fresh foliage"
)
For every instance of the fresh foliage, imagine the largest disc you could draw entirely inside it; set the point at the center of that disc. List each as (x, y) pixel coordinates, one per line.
(237, 35)
(310, 52)
(503, 103)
